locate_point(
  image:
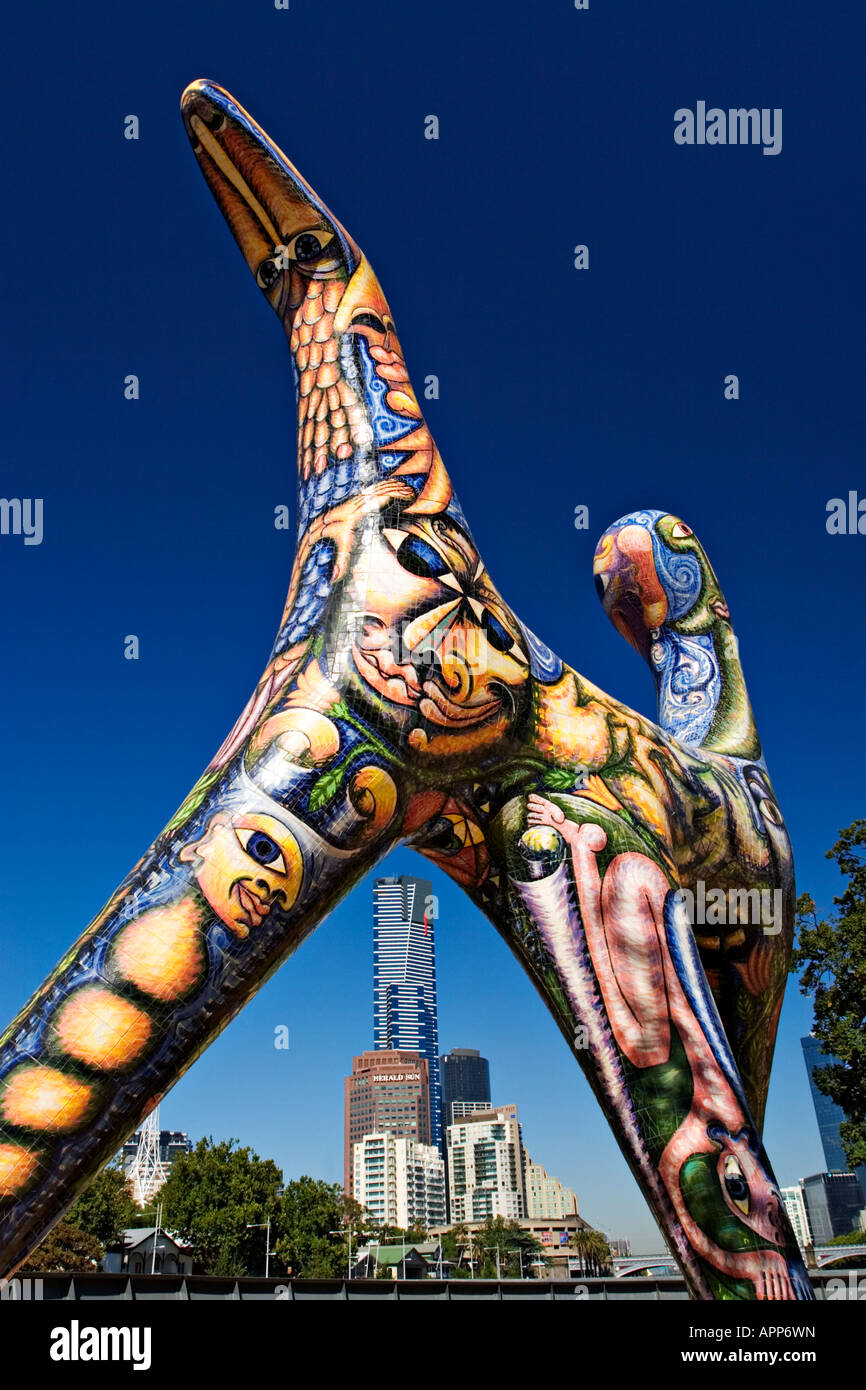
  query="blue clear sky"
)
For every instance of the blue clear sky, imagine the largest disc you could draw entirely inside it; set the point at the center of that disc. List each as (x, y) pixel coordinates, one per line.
(558, 387)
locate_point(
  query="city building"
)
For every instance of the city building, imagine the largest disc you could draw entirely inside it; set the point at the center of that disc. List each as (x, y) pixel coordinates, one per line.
(416, 1261)
(485, 1166)
(399, 1181)
(798, 1216)
(465, 1079)
(559, 1257)
(833, 1202)
(387, 1093)
(828, 1114)
(144, 1250)
(405, 1015)
(546, 1197)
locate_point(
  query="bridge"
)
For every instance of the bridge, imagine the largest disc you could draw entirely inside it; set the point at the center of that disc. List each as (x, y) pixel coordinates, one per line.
(661, 1266)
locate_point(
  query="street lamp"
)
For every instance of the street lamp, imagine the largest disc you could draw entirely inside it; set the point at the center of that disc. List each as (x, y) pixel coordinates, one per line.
(258, 1226)
(487, 1249)
(342, 1231)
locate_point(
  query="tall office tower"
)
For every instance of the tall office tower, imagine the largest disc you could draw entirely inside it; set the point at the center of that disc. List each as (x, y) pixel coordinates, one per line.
(387, 1093)
(828, 1114)
(465, 1076)
(485, 1166)
(404, 977)
(833, 1203)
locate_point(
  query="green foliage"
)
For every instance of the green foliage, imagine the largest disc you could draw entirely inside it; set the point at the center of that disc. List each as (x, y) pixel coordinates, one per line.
(592, 1250)
(67, 1249)
(105, 1209)
(512, 1243)
(212, 1196)
(398, 1235)
(831, 954)
(849, 1238)
(310, 1212)
(454, 1242)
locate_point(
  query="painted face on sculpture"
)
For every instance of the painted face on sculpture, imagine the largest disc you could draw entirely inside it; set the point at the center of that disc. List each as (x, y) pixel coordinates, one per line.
(748, 1191)
(246, 865)
(732, 1171)
(435, 647)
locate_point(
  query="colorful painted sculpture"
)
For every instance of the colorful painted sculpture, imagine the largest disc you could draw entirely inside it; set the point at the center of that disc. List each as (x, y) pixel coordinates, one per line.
(640, 872)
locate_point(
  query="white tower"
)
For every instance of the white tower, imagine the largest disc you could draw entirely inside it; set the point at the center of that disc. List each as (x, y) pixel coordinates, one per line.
(147, 1172)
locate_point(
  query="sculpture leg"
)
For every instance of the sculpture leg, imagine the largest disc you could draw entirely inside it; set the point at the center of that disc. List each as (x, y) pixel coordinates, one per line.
(600, 926)
(246, 871)
(660, 591)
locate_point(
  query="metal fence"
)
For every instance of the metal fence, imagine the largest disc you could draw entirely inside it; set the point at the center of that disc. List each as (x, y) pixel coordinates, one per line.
(140, 1288)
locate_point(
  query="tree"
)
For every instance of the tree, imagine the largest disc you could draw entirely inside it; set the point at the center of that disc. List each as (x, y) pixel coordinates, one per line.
(211, 1198)
(832, 956)
(598, 1254)
(593, 1251)
(67, 1249)
(400, 1235)
(310, 1212)
(105, 1209)
(516, 1248)
(455, 1243)
(849, 1238)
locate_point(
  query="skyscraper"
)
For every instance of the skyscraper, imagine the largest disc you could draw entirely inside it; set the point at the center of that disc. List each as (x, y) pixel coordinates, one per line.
(387, 1093)
(828, 1114)
(465, 1076)
(404, 977)
(833, 1204)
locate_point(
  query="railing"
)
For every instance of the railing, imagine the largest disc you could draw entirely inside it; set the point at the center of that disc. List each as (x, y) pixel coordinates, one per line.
(202, 1288)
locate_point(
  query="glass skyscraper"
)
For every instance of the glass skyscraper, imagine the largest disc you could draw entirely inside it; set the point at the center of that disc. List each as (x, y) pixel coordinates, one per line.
(828, 1114)
(405, 1015)
(465, 1076)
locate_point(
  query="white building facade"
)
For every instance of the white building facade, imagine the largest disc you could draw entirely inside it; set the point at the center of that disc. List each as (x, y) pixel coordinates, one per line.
(485, 1166)
(546, 1197)
(399, 1181)
(795, 1206)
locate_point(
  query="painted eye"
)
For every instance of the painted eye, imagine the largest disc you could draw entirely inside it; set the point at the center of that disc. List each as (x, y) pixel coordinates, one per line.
(262, 849)
(366, 319)
(497, 635)
(442, 838)
(680, 531)
(306, 246)
(419, 558)
(736, 1186)
(770, 811)
(267, 274)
